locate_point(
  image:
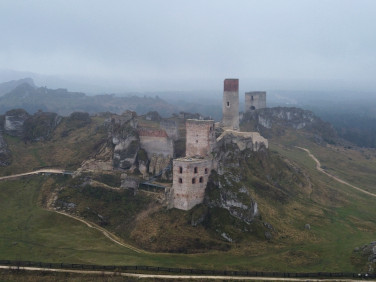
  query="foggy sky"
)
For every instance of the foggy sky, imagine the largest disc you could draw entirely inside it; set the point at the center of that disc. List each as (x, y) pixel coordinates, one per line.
(193, 45)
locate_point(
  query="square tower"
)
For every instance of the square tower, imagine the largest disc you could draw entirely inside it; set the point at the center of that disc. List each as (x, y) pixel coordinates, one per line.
(190, 177)
(230, 106)
(200, 137)
(255, 100)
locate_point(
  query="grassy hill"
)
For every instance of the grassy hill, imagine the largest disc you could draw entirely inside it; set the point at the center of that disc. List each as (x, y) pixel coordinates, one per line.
(70, 144)
(285, 183)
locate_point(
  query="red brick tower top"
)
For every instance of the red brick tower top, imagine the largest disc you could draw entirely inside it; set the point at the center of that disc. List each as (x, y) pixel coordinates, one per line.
(231, 84)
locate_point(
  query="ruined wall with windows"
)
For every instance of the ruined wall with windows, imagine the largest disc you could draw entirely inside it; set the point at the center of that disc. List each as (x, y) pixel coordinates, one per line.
(190, 177)
(255, 100)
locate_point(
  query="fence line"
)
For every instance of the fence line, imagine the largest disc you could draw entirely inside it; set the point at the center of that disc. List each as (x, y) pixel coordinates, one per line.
(125, 268)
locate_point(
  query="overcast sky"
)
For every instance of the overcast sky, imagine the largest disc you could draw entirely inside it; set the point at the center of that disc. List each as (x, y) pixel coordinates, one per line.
(190, 45)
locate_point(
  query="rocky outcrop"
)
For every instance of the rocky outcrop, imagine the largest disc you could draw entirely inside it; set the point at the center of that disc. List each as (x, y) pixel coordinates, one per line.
(274, 121)
(40, 126)
(242, 140)
(368, 251)
(225, 189)
(125, 151)
(14, 122)
(224, 193)
(5, 156)
(158, 164)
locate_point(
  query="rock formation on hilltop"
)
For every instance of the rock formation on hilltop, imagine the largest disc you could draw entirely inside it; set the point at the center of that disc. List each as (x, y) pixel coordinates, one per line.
(275, 121)
(5, 156)
(14, 122)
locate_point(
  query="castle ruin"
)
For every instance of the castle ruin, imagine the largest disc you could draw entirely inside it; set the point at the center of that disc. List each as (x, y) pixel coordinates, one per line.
(191, 173)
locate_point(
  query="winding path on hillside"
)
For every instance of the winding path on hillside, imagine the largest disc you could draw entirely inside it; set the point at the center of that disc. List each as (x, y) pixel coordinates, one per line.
(51, 170)
(319, 168)
(106, 233)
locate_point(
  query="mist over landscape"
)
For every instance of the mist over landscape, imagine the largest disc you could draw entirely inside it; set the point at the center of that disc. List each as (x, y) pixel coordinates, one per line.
(218, 137)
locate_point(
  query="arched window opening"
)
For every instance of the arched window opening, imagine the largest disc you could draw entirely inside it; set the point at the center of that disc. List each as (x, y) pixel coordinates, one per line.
(193, 180)
(180, 169)
(180, 180)
(195, 170)
(201, 179)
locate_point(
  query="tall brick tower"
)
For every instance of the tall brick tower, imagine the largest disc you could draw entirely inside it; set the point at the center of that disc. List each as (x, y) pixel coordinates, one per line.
(230, 107)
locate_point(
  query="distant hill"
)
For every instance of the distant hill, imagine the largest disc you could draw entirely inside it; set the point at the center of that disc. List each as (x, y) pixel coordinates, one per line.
(63, 102)
(8, 86)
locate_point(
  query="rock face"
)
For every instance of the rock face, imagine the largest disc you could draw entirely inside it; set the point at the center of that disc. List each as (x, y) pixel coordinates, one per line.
(14, 122)
(40, 126)
(5, 156)
(235, 199)
(271, 121)
(243, 140)
(225, 189)
(368, 251)
(158, 163)
(126, 146)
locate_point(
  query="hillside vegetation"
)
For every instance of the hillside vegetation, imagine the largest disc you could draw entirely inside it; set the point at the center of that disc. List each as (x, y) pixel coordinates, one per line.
(303, 220)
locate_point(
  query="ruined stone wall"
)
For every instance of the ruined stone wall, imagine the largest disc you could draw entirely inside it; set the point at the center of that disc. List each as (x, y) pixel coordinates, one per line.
(190, 177)
(255, 100)
(171, 128)
(244, 140)
(156, 142)
(200, 137)
(230, 106)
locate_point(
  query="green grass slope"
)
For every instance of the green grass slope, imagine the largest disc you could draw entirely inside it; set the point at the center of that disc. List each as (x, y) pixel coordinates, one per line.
(70, 144)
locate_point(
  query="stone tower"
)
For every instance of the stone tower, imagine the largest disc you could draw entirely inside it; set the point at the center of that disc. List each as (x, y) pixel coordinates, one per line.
(230, 107)
(255, 100)
(200, 137)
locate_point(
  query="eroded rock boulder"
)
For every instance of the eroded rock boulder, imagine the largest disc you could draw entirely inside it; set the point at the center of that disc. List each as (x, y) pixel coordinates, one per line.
(14, 122)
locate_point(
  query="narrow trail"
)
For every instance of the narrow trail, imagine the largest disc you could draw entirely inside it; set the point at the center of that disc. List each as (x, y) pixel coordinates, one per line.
(319, 168)
(170, 276)
(54, 171)
(106, 233)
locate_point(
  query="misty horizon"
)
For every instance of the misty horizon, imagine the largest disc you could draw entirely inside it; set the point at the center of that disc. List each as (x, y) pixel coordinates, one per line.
(190, 46)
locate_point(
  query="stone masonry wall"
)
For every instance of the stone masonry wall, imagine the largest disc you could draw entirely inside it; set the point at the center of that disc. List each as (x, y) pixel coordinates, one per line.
(171, 128)
(230, 105)
(200, 137)
(190, 177)
(155, 141)
(255, 100)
